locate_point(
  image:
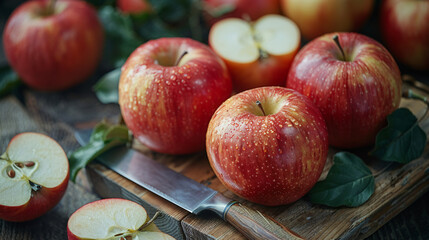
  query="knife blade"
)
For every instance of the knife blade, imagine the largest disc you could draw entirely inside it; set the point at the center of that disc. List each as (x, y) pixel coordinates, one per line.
(187, 193)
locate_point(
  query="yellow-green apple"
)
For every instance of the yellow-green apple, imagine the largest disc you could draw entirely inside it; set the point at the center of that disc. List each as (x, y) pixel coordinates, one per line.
(168, 90)
(134, 6)
(353, 80)
(34, 173)
(405, 30)
(215, 10)
(112, 218)
(317, 17)
(268, 145)
(256, 53)
(53, 45)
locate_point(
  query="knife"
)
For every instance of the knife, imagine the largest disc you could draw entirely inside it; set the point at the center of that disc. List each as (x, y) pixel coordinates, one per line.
(187, 193)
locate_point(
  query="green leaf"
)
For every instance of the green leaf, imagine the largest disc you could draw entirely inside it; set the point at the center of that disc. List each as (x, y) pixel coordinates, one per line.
(121, 39)
(103, 138)
(349, 183)
(9, 80)
(106, 88)
(402, 140)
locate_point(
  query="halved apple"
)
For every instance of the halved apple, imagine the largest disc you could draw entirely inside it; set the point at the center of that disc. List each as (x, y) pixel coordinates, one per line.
(113, 219)
(256, 53)
(34, 174)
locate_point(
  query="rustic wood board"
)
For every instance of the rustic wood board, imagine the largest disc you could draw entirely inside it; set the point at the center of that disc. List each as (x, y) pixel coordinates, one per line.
(397, 187)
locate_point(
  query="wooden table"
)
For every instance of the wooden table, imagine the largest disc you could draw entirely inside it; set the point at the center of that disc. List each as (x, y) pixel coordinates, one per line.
(57, 114)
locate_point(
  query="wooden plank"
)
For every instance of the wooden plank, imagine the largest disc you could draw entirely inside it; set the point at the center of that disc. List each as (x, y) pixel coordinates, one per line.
(52, 225)
(397, 187)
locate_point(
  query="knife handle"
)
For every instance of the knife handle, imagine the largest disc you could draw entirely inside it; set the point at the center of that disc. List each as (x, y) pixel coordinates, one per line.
(256, 225)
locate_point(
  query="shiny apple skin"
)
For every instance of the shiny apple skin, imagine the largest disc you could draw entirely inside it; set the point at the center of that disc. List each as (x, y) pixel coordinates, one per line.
(253, 9)
(40, 202)
(133, 6)
(356, 96)
(168, 108)
(405, 30)
(317, 17)
(57, 51)
(270, 160)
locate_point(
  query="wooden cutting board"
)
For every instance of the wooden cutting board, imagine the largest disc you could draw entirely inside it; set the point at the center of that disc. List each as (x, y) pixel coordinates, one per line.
(397, 187)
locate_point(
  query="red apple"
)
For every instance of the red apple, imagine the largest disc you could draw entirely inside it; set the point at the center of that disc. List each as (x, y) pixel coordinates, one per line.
(34, 177)
(133, 6)
(53, 47)
(355, 91)
(317, 17)
(168, 90)
(110, 218)
(405, 30)
(256, 53)
(247, 9)
(268, 145)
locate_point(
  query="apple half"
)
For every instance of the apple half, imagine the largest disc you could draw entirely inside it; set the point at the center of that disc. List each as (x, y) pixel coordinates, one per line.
(111, 219)
(256, 53)
(34, 174)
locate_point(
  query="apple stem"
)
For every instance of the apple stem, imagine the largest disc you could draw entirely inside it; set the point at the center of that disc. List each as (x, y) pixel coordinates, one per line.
(260, 106)
(180, 58)
(337, 41)
(150, 221)
(34, 186)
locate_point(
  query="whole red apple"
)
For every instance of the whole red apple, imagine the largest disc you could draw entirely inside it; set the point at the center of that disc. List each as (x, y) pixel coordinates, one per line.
(34, 177)
(256, 53)
(405, 30)
(245, 9)
(133, 6)
(53, 46)
(356, 84)
(317, 17)
(168, 90)
(268, 145)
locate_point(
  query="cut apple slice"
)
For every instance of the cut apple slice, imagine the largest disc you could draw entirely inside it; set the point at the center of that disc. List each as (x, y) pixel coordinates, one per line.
(256, 53)
(34, 174)
(112, 219)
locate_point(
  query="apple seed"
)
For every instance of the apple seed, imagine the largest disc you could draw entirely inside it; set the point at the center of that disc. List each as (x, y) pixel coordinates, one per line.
(20, 165)
(29, 163)
(11, 173)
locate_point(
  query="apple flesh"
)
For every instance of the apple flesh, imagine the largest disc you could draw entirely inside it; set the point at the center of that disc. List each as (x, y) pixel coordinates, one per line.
(317, 17)
(112, 219)
(256, 54)
(268, 145)
(405, 30)
(355, 92)
(169, 88)
(34, 174)
(53, 48)
(245, 9)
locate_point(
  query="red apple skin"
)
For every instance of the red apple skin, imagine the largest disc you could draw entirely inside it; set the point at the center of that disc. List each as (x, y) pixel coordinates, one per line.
(168, 108)
(40, 202)
(317, 17)
(253, 9)
(270, 160)
(133, 6)
(355, 96)
(57, 51)
(405, 30)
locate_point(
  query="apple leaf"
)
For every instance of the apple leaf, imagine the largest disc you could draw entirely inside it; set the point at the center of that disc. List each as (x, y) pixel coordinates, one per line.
(9, 80)
(121, 39)
(402, 140)
(106, 88)
(103, 138)
(349, 183)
